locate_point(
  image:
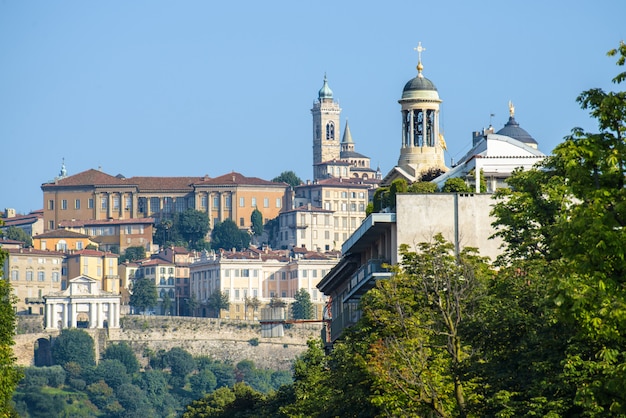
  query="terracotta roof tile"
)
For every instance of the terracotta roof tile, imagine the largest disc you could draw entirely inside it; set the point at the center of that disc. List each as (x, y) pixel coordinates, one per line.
(237, 179)
(61, 233)
(108, 222)
(34, 252)
(92, 253)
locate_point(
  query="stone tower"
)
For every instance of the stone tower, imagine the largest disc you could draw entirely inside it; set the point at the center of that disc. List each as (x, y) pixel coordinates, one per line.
(422, 144)
(326, 128)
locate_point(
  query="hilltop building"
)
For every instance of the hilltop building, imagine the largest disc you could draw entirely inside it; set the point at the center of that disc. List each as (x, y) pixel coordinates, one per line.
(33, 274)
(258, 274)
(332, 158)
(463, 219)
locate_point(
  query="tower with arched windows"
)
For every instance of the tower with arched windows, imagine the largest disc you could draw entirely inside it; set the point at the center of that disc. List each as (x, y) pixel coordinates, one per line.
(422, 146)
(326, 129)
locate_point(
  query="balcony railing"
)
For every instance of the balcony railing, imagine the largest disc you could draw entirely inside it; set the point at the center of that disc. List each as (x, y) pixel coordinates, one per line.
(365, 278)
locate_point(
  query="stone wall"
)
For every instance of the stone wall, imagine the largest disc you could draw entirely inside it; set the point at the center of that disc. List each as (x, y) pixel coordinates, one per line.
(226, 340)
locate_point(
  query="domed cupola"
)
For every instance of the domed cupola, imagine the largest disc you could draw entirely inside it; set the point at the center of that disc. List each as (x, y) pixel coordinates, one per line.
(513, 130)
(325, 92)
(420, 87)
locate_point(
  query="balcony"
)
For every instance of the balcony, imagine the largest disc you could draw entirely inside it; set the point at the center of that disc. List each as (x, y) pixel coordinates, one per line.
(34, 300)
(365, 278)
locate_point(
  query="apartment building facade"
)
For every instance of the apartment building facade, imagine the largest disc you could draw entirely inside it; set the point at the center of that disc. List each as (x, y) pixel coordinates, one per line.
(259, 274)
(33, 274)
(101, 266)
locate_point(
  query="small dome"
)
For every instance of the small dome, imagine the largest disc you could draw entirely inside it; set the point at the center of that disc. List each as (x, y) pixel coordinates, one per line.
(419, 88)
(325, 92)
(513, 130)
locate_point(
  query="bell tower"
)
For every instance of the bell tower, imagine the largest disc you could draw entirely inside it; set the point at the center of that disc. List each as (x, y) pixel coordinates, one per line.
(422, 144)
(326, 129)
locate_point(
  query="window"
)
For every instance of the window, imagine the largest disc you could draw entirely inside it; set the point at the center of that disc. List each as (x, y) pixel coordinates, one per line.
(279, 202)
(245, 273)
(303, 233)
(326, 234)
(241, 222)
(129, 203)
(266, 202)
(254, 202)
(50, 204)
(15, 275)
(116, 203)
(103, 203)
(272, 276)
(77, 204)
(41, 276)
(55, 276)
(129, 229)
(90, 203)
(216, 202)
(180, 204)
(242, 202)
(79, 245)
(162, 270)
(330, 131)
(227, 202)
(168, 204)
(283, 276)
(236, 294)
(29, 275)
(304, 273)
(63, 204)
(203, 202)
(344, 194)
(284, 294)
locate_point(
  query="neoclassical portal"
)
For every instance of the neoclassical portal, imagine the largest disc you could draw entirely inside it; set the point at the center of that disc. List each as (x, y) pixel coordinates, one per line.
(82, 305)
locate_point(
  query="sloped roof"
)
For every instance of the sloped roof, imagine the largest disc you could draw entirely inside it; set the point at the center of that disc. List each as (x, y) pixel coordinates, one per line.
(236, 179)
(61, 233)
(109, 222)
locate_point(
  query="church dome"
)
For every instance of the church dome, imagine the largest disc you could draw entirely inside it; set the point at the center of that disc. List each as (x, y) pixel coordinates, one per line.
(325, 92)
(417, 84)
(513, 130)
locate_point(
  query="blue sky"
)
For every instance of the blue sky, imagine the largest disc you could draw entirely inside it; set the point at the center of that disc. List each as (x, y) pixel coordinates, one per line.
(185, 88)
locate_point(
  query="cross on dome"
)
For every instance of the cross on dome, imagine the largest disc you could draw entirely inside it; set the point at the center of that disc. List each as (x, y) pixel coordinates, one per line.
(419, 50)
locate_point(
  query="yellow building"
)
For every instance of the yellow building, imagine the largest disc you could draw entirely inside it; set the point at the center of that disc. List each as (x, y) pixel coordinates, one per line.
(33, 274)
(61, 240)
(94, 195)
(98, 265)
(115, 235)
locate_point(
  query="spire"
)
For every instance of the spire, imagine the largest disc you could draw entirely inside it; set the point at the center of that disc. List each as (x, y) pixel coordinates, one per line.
(511, 109)
(347, 136)
(63, 172)
(419, 50)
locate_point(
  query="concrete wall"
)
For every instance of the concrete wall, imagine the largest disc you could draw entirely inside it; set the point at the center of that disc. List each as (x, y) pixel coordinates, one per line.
(463, 219)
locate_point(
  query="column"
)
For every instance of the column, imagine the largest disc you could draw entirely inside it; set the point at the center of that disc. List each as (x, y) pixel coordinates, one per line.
(135, 203)
(92, 314)
(100, 316)
(72, 314)
(65, 315)
(411, 129)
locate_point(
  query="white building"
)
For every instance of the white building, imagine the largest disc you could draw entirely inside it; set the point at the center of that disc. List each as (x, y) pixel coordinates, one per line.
(82, 305)
(244, 275)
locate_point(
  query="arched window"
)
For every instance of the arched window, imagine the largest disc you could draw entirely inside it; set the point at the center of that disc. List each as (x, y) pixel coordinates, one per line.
(330, 131)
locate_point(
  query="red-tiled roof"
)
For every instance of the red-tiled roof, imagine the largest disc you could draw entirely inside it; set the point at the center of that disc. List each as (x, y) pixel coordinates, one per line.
(236, 179)
(89, 177)
(155, 262)
(163, 183)
(61, 233)
(92, 253)
(34, 252)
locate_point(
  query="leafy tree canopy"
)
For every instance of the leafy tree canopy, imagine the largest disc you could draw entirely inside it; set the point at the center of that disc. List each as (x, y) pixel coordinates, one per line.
(302, 307)
(74, 345)
(226, 235)
(218, 301)
(124, 354)
(288, 177)
(133, 254)
(144, 294)
(257, 222)
(455, 185)
(18, 234)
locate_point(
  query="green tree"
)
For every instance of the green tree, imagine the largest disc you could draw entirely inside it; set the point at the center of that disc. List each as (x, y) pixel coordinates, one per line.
(455, 185)
(397, 186)
(226, 235)
(166, 234)
(113, 372)
(422, 187)
(135, 402)
(381, 199)
(202, 383)
(251, 302)
(166, 304)
(133, 254)
(124, 354)
(73, 345)
(580, 240)
(302, 307)
(218, 301)
(193, 304)
(288, 177)
(10, 374)
(181, 363)
(420, 350)
(257, 222)
(144, 294)
(18, 234)
(192, 226)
